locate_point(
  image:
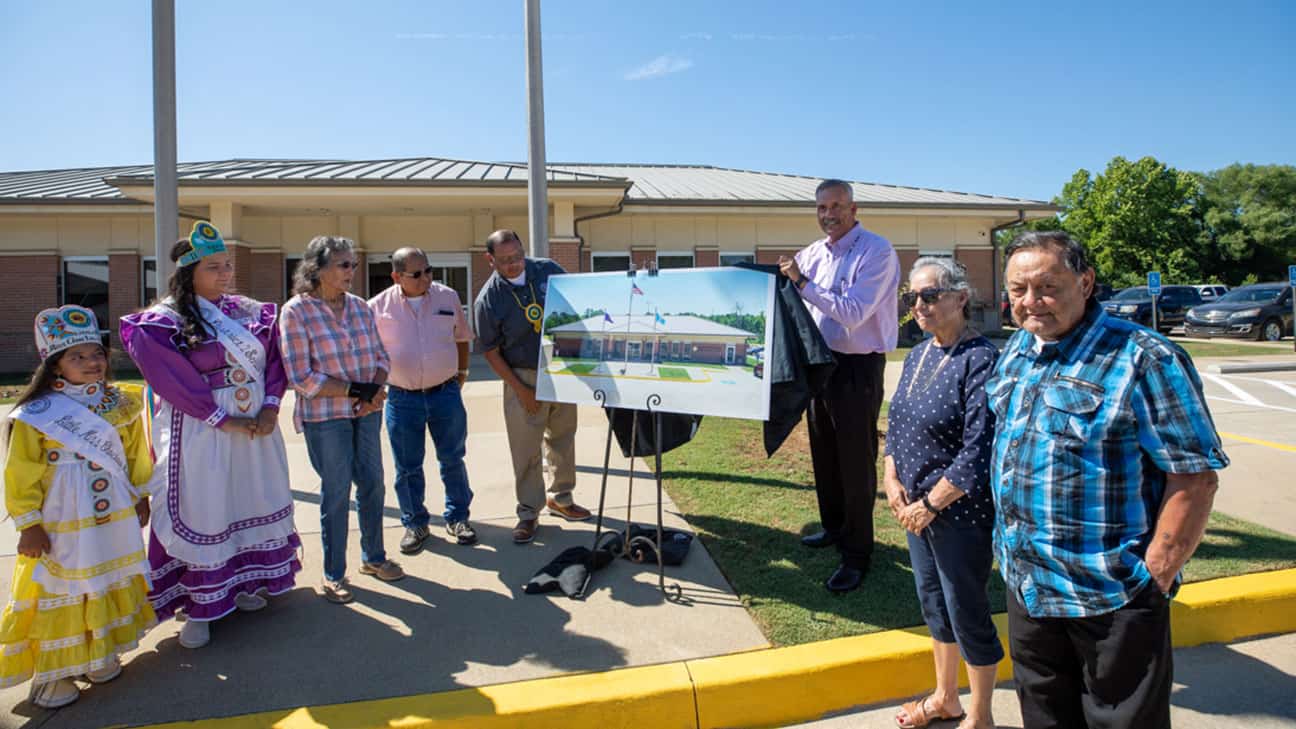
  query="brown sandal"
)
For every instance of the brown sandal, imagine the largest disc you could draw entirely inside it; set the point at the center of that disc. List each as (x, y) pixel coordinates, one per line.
(919, 718)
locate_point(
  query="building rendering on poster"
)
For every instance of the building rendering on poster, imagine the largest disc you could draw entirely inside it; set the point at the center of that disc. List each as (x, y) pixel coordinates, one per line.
(694, 337)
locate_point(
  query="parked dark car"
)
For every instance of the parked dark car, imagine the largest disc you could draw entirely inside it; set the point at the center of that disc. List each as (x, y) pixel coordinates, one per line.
(1135, 304)
(1259, 311)
(1103, 291)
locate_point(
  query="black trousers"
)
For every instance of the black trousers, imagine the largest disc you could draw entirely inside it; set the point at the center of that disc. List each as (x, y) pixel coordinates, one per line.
(843, 448)
(1111, 671)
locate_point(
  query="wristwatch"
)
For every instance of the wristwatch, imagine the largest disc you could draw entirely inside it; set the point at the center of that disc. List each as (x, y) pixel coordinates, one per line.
(929, 506)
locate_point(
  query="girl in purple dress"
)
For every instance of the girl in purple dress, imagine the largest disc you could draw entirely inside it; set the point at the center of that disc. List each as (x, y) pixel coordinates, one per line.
(222, 536)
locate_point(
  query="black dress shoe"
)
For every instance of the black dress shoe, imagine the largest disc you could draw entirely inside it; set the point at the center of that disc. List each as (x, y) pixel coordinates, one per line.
(845, 579)
(819, 540)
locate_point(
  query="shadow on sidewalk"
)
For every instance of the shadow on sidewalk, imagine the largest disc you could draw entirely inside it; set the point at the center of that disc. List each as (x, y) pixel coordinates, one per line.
(1219, 674)
(409, 637)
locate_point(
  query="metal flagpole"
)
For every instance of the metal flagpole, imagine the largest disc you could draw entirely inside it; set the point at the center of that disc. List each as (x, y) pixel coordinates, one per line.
(166, 204)
(537, 184)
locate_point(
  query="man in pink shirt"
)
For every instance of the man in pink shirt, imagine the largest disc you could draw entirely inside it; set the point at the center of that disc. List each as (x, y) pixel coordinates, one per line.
(849, 282)
(423, 328)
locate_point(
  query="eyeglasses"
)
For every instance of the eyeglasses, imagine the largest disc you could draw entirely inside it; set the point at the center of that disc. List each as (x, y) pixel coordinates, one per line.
(346, 265)
(929, 296)
(416, 275)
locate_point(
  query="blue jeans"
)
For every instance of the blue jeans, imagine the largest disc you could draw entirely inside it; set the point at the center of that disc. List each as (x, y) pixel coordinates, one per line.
(442, 414)
(343, 451)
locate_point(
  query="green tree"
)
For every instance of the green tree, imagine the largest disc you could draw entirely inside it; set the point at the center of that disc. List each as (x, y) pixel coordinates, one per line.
(1248, 215)
(1136, 217)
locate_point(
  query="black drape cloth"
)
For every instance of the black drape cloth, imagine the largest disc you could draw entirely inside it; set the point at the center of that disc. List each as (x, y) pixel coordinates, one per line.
(798, 362)
(677, 429)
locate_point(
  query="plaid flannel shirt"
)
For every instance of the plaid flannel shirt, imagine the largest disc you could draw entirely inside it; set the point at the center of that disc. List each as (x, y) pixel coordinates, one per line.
(1087, 428)
(317, 346)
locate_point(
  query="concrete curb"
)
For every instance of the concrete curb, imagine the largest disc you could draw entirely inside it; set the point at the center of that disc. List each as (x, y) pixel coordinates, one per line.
(762, 688)
(1241, 367)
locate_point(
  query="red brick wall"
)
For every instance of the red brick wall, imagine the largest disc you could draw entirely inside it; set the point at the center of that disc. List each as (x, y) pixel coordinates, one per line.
(643, 258)
(123, 297)
(703, 257)
(481, 273)
(360, 282)
(241, 257)
(980, 267)
(768, 256)
(266, 278)
(587, 261)
(907, 258)
(566, 254)
(29, 283)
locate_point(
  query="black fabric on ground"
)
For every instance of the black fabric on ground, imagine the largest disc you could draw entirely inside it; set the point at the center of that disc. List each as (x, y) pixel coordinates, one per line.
(567, 571)
(643, 545)
(798, 362)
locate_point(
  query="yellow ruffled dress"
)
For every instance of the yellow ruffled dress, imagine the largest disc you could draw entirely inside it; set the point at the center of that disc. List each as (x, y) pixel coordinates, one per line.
(86, 600)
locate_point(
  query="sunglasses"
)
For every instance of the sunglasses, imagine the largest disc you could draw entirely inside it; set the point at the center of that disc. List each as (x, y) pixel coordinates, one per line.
(416, 275)
(346, 265)
(929, 296)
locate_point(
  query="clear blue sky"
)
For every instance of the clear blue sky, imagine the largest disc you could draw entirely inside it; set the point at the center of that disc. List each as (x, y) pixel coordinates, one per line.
(705, 291)
(1003, 98)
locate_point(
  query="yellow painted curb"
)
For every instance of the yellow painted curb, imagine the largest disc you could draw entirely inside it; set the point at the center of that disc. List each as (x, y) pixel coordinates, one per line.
(762, 688)
(644, 696)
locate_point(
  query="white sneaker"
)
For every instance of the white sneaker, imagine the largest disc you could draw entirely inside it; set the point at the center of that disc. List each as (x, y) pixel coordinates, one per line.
(195, 634)
(54, 694)
(248, 602)
(112, 670)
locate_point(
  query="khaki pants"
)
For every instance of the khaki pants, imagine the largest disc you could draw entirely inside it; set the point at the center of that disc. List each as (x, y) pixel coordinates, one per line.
(554, 427)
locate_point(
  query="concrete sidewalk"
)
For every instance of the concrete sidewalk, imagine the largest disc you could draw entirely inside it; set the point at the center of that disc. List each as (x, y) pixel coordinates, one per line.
(459, 619)
(1242, 685)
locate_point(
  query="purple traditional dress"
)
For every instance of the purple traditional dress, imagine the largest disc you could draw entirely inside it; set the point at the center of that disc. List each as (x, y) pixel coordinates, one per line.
(222, 507)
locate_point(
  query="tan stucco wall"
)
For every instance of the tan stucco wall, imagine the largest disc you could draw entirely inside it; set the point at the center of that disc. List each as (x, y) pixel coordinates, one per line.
(745, 233)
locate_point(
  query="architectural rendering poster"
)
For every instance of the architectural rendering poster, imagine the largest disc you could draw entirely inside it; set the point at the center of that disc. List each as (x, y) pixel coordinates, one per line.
(696, 337)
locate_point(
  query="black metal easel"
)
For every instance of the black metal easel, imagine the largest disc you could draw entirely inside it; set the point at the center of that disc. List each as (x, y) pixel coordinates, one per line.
(651, 404)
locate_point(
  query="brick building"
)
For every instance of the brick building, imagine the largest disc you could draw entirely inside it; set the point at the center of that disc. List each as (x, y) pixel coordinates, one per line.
(85, 235)
(679, 339)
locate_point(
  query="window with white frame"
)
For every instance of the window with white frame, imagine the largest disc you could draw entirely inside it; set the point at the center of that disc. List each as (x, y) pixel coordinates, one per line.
(84, 282)
(148, 280)
(673, 259)
(379, 273)
(732, 258)
(936, 253)
(290, 270)
(610, 262)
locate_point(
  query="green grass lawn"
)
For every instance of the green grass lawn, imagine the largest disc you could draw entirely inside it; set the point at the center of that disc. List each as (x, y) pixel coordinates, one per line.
(577, 369)
(672, 373)
(750, 513)
(1227, 349)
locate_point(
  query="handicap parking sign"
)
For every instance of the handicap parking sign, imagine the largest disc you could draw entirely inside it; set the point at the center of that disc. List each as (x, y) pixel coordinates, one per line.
(1291, 275)
(1154, 282)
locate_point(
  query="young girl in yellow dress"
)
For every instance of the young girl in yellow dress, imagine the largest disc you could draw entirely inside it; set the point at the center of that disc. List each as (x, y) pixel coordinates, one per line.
(75, 464)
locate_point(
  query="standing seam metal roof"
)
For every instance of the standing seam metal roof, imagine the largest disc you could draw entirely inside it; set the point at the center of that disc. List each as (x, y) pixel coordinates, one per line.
(648, 184)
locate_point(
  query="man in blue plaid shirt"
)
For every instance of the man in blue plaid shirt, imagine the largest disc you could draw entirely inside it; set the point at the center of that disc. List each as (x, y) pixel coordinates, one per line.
(1103, 474)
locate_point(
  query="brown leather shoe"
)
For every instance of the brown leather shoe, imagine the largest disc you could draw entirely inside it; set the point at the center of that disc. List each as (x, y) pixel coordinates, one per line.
(570, 512)
(525, 530)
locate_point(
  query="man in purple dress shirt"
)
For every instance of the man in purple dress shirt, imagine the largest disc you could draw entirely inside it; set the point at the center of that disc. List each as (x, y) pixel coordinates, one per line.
(849, 282)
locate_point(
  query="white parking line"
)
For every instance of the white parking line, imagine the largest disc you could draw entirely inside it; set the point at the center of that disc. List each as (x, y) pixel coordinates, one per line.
(1243, 396)
(1287, 387)
(1253, 403)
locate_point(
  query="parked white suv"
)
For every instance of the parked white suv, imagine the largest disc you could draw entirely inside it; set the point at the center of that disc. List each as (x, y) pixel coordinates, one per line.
(1210, 292)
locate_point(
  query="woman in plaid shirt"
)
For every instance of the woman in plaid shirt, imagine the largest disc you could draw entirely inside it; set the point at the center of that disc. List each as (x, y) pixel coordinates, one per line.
(336, 363)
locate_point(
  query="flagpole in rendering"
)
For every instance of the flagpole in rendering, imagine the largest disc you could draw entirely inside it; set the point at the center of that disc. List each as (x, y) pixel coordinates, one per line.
(629, 311)
(166, 204)
(537, 184)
